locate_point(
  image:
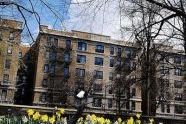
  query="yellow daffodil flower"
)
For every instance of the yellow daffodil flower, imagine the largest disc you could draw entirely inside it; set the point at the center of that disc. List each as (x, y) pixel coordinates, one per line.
(52, 120)
(130, 121)
(93, 118)
(44, 118)
(88, 117)
(119, 120)
(107, 121)
(138, 121)
(151, 120)
(58, 113)
(62, 111)
(36, 116)
(30, 112)
(138, 115)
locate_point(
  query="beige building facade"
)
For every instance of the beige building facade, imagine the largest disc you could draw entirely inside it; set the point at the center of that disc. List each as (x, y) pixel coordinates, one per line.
(79, 56)
(10, 38)
(64, 63)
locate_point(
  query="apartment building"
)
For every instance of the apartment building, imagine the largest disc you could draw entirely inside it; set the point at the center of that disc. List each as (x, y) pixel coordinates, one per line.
(172, 75)
(66, 60)
(60, 64)
(10, 37)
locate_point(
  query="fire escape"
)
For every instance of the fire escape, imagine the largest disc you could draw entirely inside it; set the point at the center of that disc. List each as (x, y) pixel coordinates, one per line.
(59, 62)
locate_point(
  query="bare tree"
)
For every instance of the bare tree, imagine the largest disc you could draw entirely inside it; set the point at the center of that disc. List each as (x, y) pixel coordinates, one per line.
(32, 12)
(143, 15)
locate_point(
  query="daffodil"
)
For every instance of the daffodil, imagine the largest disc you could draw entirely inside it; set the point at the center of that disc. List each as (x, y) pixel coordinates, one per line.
(93, 118)
(30, 112)
(107, 121)
(62, 111)
(58, 113)
(36, 116)
(88, 117)
(151, 120)
(130, 121)
(52, 119)
(138, 121)
(119, 120)
(101, 120)
(138, 115)
(44, 118)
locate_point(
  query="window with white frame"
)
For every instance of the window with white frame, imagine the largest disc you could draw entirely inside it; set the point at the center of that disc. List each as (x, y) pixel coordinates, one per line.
(99, 48)
(80, 72)
(82, 46)
(98, 61)
(81, 59)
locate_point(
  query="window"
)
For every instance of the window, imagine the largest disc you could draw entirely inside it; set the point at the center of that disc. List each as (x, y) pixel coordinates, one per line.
(27, 56)
(82, 46)
(178, 72)
(51, 41)
(109, 103)
(118, 62)
(11, 36)
(162, 107)
(7, 64)
(111, 50)
(66, 71)
(97, 87)
(47, 55)
(67, 57)
(111, 62)
(98, 61)
(5, 78)
(128, 53)
(168, 108)
(1, 36)
(43, 97)
(9, 49)
(133, 106)
(81, 59)
(80, 72)
(99, 48)
(46, 68)
(133, 92)
(55, 43)
(177, 60)
(178, 109)
(68, 44)
(20, 55)
(164, 84)
(52, 69)
(178, 97)
(164, 70)
(99, 74)
(52, 55)
(119, 51)
(178, 84)
(97, 102)
(110, 90)
(123, 105)
(110, 76)
(3, 95)
(44, 82)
